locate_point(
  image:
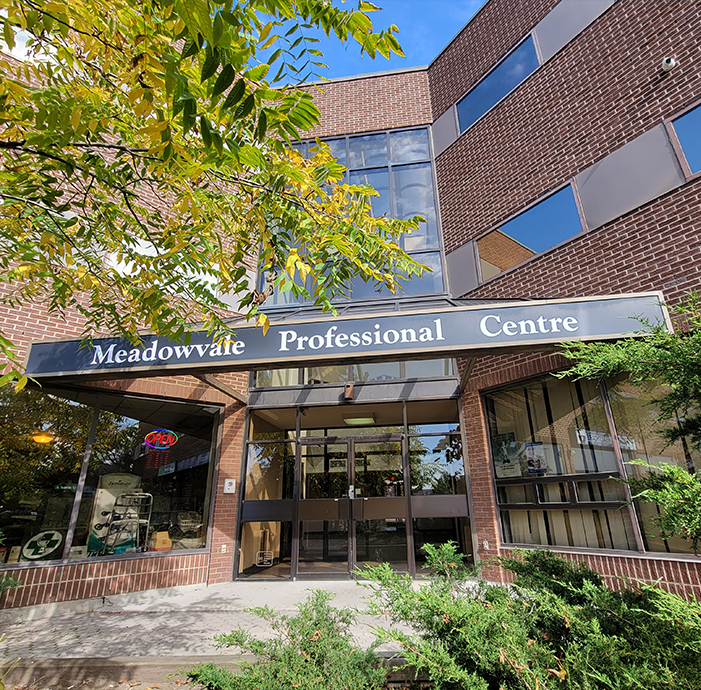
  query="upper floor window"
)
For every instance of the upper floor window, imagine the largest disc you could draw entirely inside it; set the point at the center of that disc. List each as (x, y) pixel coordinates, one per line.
(545, 225)
(687, 128)
(397, 165)
(503, 79)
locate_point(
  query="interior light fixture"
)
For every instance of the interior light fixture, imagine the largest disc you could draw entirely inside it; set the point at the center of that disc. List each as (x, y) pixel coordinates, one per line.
(42, 437)
(359, 421)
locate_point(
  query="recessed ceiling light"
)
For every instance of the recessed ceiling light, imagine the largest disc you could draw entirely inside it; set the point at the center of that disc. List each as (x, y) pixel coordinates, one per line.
(359, 421)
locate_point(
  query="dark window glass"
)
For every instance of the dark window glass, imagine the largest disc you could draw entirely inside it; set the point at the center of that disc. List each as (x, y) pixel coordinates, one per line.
(413, 190)
(497, 84)
(688, 128)
(428, 367)
(42, 441)
(324, 471)
(407, 147)
(378, 469)
(266, 549)
(437, 531)
(368, 151)
(323, 546)
(542, 226)
(381, 541)
(436, 465)
(379, 179)
(274, 378)
(387, 371)
(147, 480)
(326, 374)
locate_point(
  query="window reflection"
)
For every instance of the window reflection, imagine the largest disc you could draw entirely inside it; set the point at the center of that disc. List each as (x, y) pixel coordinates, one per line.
(413, 189)
(270, 471)
(409, 146)
(541, 227)
(688, 127)
(387, 371)
(379, 179)
(368, 151)
(498, 83)
(436, 465)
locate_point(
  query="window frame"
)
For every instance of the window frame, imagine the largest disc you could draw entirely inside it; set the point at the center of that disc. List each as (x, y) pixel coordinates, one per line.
(668, 123)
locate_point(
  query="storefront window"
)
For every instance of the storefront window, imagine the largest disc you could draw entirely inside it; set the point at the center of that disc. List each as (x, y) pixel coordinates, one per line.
(42, 441)
(635, 412)
(147, 474)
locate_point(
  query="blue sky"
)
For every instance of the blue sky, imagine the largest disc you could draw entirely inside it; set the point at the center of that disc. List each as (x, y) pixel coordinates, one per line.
(425, 28)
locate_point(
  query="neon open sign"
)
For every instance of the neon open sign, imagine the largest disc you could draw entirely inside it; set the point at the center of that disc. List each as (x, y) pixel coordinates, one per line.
(161, 439)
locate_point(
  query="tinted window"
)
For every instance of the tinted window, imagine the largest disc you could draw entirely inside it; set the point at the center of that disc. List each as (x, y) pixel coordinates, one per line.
(369, 151)
(542, 226)
(413, 189)
(688, 127)
(407, 147)
(499, 82)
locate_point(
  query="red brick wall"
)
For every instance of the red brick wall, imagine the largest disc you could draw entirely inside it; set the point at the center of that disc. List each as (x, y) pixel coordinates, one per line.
(373, 103)
(599, 92)
(51, 584)
(491, 33)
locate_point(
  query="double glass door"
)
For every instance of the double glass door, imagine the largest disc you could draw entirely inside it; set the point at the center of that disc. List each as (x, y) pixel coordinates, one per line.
(353, 505)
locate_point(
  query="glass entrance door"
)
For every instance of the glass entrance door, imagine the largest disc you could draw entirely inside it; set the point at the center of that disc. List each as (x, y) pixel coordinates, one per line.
(352, 507)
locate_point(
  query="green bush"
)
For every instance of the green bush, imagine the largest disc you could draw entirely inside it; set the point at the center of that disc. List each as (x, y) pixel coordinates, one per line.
(312, 650)
(558, 626)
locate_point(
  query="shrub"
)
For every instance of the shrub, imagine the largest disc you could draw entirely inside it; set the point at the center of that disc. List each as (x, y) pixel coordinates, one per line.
(558, 626)
(312, 650)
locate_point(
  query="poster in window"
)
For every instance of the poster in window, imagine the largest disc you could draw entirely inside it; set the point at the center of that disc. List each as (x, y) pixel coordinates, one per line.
(505, 452)
(535, 458)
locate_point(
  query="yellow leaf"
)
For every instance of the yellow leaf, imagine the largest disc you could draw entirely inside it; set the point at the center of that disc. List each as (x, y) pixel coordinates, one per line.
(264, 322)
(75, 117)
(292, 259)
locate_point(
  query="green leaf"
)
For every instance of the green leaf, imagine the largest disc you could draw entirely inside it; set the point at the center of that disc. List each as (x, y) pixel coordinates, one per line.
(257, 73)
(205, 131)
(189, 115)
(235, 95)
(210, 64)
(224, 80)
(190, 47)
(245, 108)
(262, 127)
(217, 28)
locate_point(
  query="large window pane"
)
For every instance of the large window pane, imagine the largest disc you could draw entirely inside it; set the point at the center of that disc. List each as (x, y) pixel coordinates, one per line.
(368, 151)
(413, 190)
(410, 146)
(541, 227)
(42, 441)
(269, 471)
(549, 428)
(266, 550)
(323, 546)
(273, 378)
(688, 128)
(379, 179)
(324, 471)
(593, 529)
(437, 531)
(430, 281)
(381, 541)
(635, 412)
(147, 480)
(327, 374)
(428, 368)
(386, 371)
(378, 469)
(497, 84)
(436, 465)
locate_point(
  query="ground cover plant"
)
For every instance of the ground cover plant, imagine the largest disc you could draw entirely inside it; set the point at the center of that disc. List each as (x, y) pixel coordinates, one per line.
(558, 626)
(313, 650)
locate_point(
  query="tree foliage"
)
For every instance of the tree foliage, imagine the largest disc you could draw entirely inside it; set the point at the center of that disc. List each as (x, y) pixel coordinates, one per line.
(148, 158)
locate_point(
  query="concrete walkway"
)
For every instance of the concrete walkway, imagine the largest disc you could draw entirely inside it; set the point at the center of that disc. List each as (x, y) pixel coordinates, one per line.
(140, 638)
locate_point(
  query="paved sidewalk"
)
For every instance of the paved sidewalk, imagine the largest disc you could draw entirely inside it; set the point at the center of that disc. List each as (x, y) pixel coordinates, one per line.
(141, 637)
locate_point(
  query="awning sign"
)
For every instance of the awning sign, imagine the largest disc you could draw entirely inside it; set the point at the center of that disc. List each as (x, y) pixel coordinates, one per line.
(391, 336)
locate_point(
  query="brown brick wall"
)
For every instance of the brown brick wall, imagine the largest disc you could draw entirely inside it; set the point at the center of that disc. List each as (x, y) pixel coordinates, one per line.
(491, 33)
(599, 92)
(373, 103)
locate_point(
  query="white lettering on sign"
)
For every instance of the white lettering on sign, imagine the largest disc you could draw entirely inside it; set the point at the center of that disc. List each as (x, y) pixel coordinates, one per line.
(290, 340)
(165, 353)
(492, 326)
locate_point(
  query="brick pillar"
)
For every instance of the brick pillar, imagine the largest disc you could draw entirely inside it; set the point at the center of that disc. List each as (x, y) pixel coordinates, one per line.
(226, 505)
(485, 513)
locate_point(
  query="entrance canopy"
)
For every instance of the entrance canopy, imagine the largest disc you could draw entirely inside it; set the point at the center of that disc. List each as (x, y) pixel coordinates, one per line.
(460, 331)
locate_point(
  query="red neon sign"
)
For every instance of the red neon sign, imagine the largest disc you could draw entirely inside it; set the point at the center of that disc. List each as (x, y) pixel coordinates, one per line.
(160, 439)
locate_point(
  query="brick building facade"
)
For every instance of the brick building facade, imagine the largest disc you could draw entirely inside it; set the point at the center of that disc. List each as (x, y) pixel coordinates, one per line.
(554, 159)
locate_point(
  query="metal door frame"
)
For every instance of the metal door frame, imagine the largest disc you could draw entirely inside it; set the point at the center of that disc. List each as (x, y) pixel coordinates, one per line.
(355, 504)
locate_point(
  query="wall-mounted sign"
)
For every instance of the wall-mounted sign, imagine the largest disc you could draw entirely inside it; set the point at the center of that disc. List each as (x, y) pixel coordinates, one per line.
(160, 439)
(484, 329)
